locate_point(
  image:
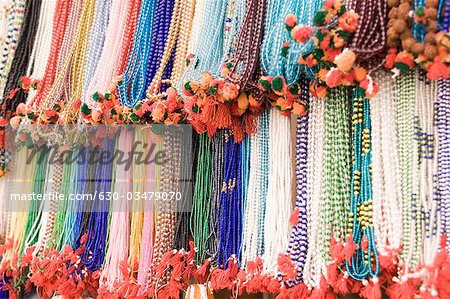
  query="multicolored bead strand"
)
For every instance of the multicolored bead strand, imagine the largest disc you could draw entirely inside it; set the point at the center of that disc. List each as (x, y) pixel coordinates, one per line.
(364, 264)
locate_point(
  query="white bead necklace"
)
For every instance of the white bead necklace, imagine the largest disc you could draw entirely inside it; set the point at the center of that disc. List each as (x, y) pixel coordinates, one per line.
(279, 191)
(315, 264)
(42, 45)
(385, 177)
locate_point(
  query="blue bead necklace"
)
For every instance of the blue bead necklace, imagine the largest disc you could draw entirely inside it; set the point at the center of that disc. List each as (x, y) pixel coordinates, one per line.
(230, 206)
(134, 79)
(365, 261)
(210, 51)
(98, 222)
(272, 62)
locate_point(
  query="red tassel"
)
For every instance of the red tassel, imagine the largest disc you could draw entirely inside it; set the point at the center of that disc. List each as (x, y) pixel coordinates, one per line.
(201, 274)
(286, 267)
(237, 129)
(438, 70)
(356, 287)
(337, 251)
(332, 273)
(222, 117)
(349, 248)
(293, 220)
(273, 286)
(342, 285)
(403, 290)
(371, 290)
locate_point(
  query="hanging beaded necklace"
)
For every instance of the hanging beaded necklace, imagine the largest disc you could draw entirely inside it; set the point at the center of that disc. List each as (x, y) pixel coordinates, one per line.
(166, 216)
(443, 130)
(365, 262)
(230, 205)
(182, 229)
(98, 221)
(110, 62)
(173, 57)
(61, 18)
(369, 40)
(66, 210)
(385, 173)
(336, 179)
(118, 243)
(76, 56)
(15, 21)
(22, 55)
(165, 17)
(41, 48)
(298, 242)
(279, 191)
(405, 119)
(247, 47)
(34, 216)
(430, 235)
(315, 263)
(131, 22)
(272, 62)
(209, 51)
(134, 80)
(96, 42)
(253, 226)
(201, 199)
(16, 227)
(217, 155)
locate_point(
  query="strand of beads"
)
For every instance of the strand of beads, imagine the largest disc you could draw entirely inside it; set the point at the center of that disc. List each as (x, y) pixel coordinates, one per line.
(279, 193)
(166, 216)
(167, 20)
(405, 120)
(67, 86)
(364, 263)
(417, 206)
(253, 231)
(315, 264)
(385, 171)
(429, 231)
(41, 48)
(336, 181)
(369, 40)
(134, 80)
(298, 242)
(230, 205)
(118, 242)
(272, 61)
(182, 230)
(175, 50)
(131, 22)
(247, 47)
(217, 152)
(21, 59)
(109, 62)
(443, 130)
(15, 21)
(146, 249)
(94, 255)
(263, 176)
(201, 198)
(96, 42)
(62, 12)
(209, 53)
